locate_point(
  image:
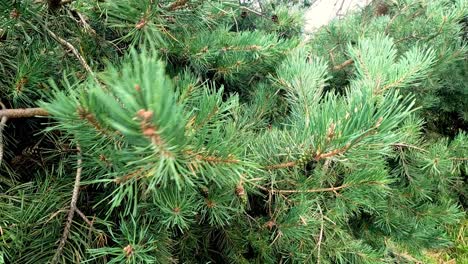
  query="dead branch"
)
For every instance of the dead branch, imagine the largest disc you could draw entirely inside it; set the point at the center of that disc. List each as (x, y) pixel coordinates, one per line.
(332, 153)
(343, 65)
(75, 52)
(331, 189)
(23, 112)
(71, 212)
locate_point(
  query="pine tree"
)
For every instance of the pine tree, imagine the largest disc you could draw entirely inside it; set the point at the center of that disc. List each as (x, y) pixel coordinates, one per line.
(211, 132)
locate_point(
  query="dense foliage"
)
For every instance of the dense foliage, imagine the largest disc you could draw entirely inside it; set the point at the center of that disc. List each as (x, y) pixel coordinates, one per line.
(212, 132)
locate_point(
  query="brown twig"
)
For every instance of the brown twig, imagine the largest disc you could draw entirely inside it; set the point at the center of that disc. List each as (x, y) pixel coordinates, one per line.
(84, 114)
(318, 156)
(23, 112)
(53, 215)
(137, 174)
(151, 131)
(281, 165)
(343, 65)
(71, 212)
(331, 189)
(253, 11)
(409, 146)
(2, 125)
(83, 216)
(177, 5)
(82, 20)
(74, 51)
(332, 153)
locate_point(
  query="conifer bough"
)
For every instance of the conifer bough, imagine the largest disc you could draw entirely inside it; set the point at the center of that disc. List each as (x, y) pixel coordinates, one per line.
(212, 132)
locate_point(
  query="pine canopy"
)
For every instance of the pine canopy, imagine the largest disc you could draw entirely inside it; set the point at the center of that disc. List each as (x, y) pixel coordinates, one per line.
(154, 131)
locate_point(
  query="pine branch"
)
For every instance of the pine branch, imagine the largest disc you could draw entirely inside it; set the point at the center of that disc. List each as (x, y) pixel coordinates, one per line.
(135, 174)
(71, 212)
(330, 189)
(343, 65)
(84, 114)
(144, 20)
(423, 37)
(75, 52)
(317, 157)
(23, 112)
(152, 132)
(281, 165)
(82, 21)
(212, 159)
(339, 151)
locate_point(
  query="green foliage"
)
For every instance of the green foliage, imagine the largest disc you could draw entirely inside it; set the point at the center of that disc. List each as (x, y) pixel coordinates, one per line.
(209, 133)
(412, 25)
